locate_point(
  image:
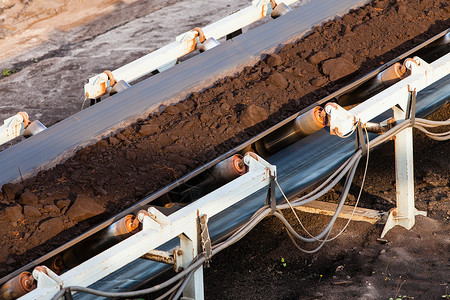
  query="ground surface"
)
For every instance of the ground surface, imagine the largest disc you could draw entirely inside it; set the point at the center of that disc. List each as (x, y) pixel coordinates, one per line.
(43, 212)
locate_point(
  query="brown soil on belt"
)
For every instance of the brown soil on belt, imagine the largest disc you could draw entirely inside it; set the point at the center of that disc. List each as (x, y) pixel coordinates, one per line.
(48, 210)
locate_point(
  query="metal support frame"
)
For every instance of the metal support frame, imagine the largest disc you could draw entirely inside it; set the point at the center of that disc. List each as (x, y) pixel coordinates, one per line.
(405, 212)
(158, 229)
(401, 99)
(166, 57)
(13, 127)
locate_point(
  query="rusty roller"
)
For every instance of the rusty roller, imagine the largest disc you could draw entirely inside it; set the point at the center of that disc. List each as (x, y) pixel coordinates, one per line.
(279, 9)
(384, 79)
(17, 286)
(114, 233)
(228, 169)
(302, 126)
(220, 174)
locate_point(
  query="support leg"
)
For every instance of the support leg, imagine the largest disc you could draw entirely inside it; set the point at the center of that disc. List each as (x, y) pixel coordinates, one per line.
(405, 212)
(190, 245)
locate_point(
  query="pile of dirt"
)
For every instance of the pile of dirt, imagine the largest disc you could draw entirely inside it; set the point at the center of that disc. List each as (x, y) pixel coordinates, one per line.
(103, 179)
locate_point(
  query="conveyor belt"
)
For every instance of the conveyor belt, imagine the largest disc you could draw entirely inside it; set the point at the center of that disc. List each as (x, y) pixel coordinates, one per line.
(64, 138)
(299, 166)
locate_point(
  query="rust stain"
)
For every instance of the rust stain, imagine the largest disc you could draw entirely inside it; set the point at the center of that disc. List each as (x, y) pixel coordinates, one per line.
(158, 258)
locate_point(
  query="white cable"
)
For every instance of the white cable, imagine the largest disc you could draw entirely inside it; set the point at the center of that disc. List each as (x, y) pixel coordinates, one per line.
(360, 190)
(354, 208)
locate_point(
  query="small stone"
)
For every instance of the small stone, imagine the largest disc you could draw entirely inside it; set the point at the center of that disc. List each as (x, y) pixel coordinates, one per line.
(217, 112)
(380, 4)
(63, 203)
(337, 68)
(189, 125)
(225, 108)
(28, 198)
(13, 213)
(10, 190)
(274, 60)
(402, 10)
(102, 143)
(52, 209)
(130, 155)
(319, 81)
(100, 191)
(31, 211)
(318, 58)
(121, 137)
(56, 195)
(182, 106)
(84, 208)
(33, 241)
(205, 118)
(50, 228)
(113, 141)
(172, 110)
(277, 80)
(253, 115)
(127, 132)
(435, 181)
(148, 129)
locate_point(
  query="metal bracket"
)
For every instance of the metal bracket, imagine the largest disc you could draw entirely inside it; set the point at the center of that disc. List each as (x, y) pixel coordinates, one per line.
(46, 277)
(359, 139)
(342, 122)
(160, 256)
(270, 198)
(205, 239)
(13, 127)
(411, 111)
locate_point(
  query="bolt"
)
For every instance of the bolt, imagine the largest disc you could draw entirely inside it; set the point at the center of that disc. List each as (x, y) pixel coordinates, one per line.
(179, 252)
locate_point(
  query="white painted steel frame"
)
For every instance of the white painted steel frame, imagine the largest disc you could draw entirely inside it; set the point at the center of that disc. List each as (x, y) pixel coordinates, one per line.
(185, 43)
(422, 75)
(157, 230)
(12, 128)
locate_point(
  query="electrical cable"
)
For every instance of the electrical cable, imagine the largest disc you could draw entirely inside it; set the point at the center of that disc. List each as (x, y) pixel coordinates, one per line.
(183, 285)
(432, 123)
(296, 245)
(321, 186)
(360, 190)
(344, 171)
(344, 194)
(170, 291)
(435, 136)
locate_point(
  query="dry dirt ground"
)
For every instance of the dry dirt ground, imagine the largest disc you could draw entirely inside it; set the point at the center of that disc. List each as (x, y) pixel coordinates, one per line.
(413, 263)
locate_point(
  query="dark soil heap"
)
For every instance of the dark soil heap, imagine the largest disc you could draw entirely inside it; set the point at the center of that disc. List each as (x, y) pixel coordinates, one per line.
(43, 212)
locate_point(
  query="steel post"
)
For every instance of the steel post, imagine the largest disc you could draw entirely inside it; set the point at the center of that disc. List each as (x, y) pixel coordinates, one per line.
(189, 244)
(405, 212)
